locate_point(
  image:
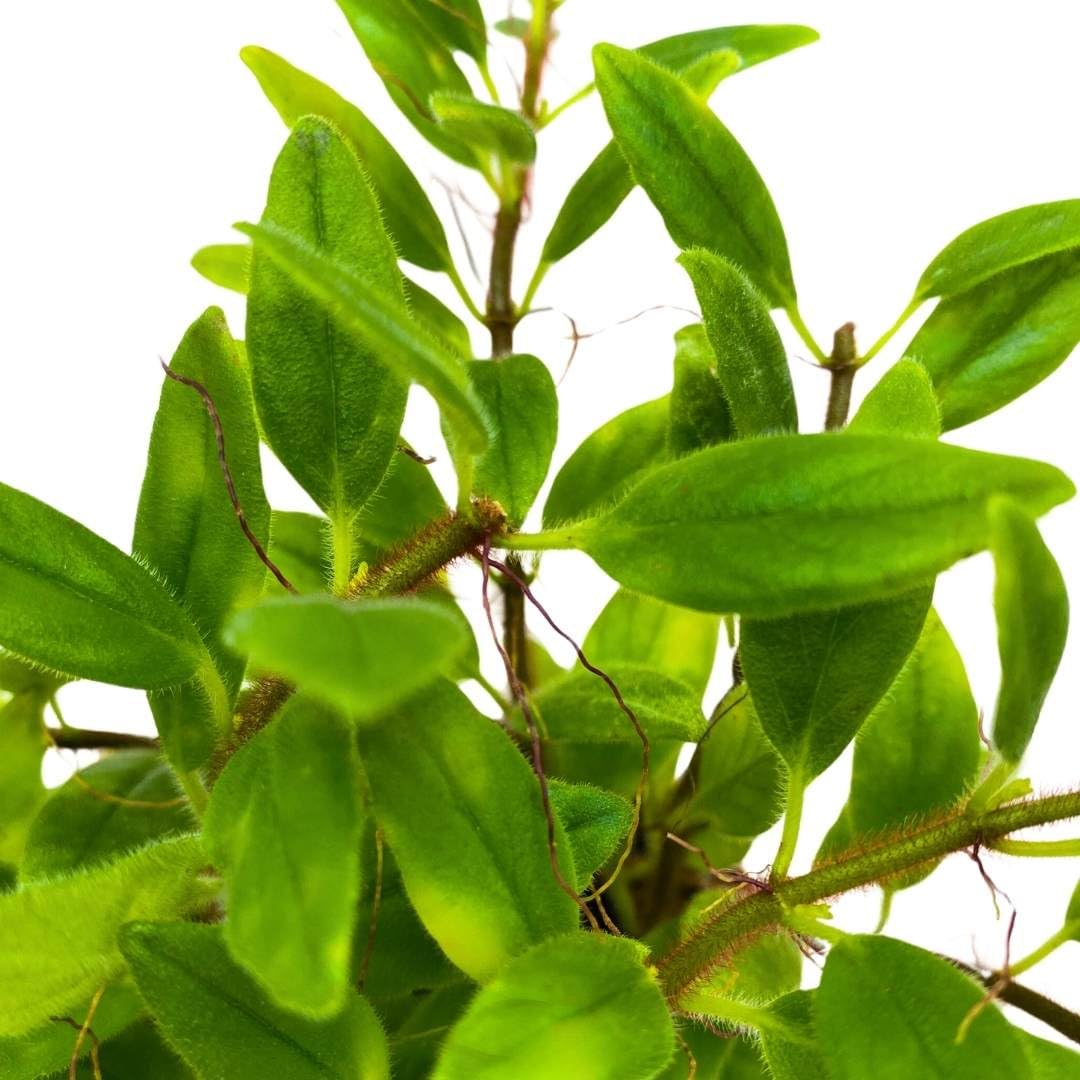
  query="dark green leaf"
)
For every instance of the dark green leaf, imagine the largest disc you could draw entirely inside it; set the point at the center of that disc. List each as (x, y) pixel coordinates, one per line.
(489, 129)
(227, 265)
(409, 215)
(989, 344)
(73, 602)
(891, 1011)
(415, 1043)
(600, 470)
(577, 1006)
(225, 1027)
(58, 939)
(734, 1058)
(596, 824)
(756, 527)
(1032, 611)
(1000, 243)
(22, 746)
(300, 549)
(186, 528)
(706, 188)
(361, 657)
(816, 677)
(77, 829)
(329, 408)
(431, 312)
(792, 1051)
(438, 760)
(137, 1051)
(699, 412)
(460, 23)
(902, 403)
(751, 364)
(284, 827)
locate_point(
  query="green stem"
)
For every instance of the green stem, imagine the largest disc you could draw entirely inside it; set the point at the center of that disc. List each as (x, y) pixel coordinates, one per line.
(803, 331)
(463, 292)
(195, 790)
(739, 1014)
(983, 795)
(1038, 849)
(891, 332)
(1067, 933)
(549, 540)
(796, 790)
(217, 695)
(573, 99)
(530, 293)
(69, 738)
(489, 82)
(493, 692)
(341, 539)
(718, 937)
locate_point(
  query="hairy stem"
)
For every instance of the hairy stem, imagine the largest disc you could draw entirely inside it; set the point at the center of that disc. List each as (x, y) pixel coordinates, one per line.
(796, 790)
(842, 366)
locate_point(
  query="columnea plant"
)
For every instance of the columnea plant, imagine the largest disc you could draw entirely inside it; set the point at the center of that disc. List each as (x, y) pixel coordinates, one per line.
(329, 863)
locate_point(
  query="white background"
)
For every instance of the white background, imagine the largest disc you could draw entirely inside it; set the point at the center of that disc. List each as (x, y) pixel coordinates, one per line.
(133, 135)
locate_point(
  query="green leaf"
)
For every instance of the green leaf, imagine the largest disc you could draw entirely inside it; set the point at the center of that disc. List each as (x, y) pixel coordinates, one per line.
(751, 364)
(415, 1043)
(413, 63)
(384, 323)
(989, 344)
(518, 394)
(792, 1052)
(919, 749)
(224, 1026)
(603, 186)
(22, 746)
(604, 466)
(1032, 610)
(137, 1051)
(1072, 913)
(1000, 243)
(1048, 1060)
(18, 677)
(299, 549)
(734, 1058)
(889, 1010)
(405, 503)
(58, 938)
(901, 403)
(409, 216)
(579, 707)
(284, 827)
(227, 265)
(361, 657)
(459, 23)
(700, 179)
(329, 405)
(186, 528)
(489, 129)
(438, 760)
(431, 312)
(596, 824)
(77, 829)
(580, 1005)
(756, 527)
(76, 604)
(699, 412)
(636, 629)
(815, 677)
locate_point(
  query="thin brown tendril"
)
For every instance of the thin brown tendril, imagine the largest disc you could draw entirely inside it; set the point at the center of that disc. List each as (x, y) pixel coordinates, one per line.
(408, 451)
(219, 436)
(728, 877)
(997, 988)
(376, 902)
(108, 796)
(84, 1030)
(691, 1061)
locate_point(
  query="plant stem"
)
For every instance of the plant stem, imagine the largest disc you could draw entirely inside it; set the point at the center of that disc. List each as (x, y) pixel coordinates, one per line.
(69, 738)
(501, 314)
(737, 924)
(342, 546)
(842, 367)
(803, 331)
(889, 334)
(1038, 849)
(548, 540)
(796, 790)
(1069, 931)
(740, 1014)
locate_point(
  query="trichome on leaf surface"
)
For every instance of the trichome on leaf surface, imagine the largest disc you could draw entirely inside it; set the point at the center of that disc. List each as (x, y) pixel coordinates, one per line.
(329, 863)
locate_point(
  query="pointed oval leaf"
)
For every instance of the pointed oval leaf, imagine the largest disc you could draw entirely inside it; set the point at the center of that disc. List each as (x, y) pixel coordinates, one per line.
(227, 265)
(436, 759)
(431, 312)
(596, 824)
(73, 602)
(892, 1011)
(1032, 609)
(601, 469)
(283, 826)
(490, 129)
(361, 657)
(999, 243)
(755, 527)
(901, 403)
(580, 1005)
(329, 405)
(751, 364)
(224, 1026)
(699, 412)
(692, 168)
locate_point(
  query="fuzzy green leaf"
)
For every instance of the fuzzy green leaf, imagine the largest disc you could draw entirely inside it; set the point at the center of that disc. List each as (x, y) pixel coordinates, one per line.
(699, 412)
(1032, 610)
(410, 218)
(227, 265)
(989, 344)
(603, 186)
(755, 527)
(225, 1027)
(186, 528)
(489, 129)
(407, 500)
(139, 1050)
(751, 364)
(412, 60)
(705, 187)
(299, 549)
(576, 1006)
(437, 760)
(58, 938)
(22, 746)
(430, 311)
(791, 1051)
(601, 469)
(889, 1010)
(596, 824)
(815, 677)
(382, 321)
(329, 403)
(361, 657)
(76, 604)
(1000, 243)
(518, 395)
(77, 829)
(284, 827)
(901, 403)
